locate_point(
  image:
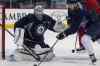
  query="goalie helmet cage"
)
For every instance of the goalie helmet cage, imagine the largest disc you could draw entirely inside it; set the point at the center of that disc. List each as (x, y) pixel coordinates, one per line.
(2, 32)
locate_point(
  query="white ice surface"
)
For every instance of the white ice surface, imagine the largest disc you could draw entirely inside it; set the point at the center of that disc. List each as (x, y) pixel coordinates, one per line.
(64, 57)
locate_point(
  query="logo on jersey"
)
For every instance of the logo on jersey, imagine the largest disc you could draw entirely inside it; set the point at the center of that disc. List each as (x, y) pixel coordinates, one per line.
(40, 29)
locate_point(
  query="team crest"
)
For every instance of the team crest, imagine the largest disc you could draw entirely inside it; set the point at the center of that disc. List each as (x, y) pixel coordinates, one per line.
(40, 29)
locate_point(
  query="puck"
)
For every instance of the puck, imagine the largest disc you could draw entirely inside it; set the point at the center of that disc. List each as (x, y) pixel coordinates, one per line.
(35, 65)
(73, 51)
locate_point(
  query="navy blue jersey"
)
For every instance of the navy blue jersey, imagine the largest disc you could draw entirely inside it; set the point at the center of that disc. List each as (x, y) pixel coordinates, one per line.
(34, 28)
(76, 18)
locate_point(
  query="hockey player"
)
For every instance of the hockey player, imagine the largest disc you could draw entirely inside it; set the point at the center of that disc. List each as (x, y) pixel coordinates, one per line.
(91, 6)
(76, 16)
(32, 27)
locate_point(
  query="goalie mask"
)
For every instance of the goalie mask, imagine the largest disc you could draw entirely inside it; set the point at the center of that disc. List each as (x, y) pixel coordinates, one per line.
(38, 11)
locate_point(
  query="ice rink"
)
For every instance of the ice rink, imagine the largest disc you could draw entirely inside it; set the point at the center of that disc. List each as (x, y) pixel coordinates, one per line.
(64, 56)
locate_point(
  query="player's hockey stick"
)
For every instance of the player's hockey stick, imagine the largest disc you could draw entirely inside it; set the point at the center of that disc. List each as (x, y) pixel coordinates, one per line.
(42, 60)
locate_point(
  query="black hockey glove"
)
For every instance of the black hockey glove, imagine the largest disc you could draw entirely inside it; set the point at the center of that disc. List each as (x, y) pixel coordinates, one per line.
(61, 36)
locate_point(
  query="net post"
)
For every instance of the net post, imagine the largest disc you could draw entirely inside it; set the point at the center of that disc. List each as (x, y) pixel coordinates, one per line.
(3, 33)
